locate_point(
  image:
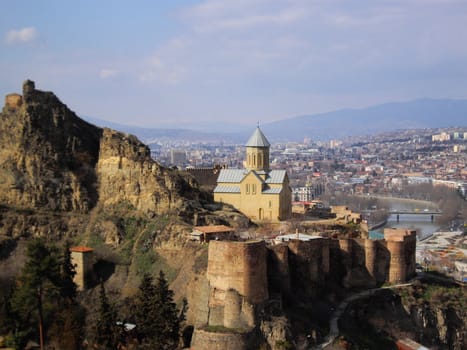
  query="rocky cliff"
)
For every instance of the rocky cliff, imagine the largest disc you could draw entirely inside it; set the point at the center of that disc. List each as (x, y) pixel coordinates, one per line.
(47, 155)
(51, 160)
(61, 177)
(433, 315)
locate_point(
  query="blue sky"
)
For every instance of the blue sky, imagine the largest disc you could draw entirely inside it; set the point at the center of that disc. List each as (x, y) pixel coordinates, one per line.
(165, 63)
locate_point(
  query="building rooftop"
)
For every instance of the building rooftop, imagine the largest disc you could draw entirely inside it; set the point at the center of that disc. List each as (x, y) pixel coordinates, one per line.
(237, 175)
(81, 249)
(258, 139)
(299, 236)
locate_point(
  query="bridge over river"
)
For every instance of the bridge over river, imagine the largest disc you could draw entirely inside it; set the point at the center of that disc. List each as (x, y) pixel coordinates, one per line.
(415, 212)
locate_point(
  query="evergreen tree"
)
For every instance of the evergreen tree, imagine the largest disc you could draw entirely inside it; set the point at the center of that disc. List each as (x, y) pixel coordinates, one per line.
(38, 285)
(146, 307)
(158, 319)
(106, 327)
(68, 272)
(69, 319)
(169, 327)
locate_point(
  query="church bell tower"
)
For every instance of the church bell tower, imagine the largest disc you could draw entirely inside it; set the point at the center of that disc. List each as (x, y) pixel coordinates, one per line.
(257, 152)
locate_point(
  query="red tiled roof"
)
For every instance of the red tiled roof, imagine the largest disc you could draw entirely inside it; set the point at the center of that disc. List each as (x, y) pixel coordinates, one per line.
(81, 249)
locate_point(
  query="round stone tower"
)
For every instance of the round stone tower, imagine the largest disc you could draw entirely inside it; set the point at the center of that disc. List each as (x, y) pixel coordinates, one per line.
(397, 264)
(240, 266)
(345, 246)
(370, 256)
(232, 309)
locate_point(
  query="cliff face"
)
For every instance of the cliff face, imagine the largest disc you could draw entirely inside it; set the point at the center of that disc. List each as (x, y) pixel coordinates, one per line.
(47, 155)
(52, 160)
(125, 171)
(432, 315)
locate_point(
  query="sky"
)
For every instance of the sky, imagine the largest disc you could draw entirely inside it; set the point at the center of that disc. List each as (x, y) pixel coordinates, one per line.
(182, 63)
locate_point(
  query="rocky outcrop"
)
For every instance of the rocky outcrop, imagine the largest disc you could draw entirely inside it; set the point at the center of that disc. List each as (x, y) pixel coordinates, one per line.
(126, 172)
(432, 322)
(53, 161)
(47, 154)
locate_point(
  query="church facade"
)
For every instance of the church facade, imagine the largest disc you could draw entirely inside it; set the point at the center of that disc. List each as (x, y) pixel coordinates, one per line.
(257, 191)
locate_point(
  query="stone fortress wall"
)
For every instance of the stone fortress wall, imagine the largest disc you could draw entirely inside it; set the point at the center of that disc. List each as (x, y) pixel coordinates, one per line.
(237, 276)
(244, 275)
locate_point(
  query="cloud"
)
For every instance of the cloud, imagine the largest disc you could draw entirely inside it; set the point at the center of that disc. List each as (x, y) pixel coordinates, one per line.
(212, 16)
(22, 35)
(157, 70)
(108, 73)
(264, 51)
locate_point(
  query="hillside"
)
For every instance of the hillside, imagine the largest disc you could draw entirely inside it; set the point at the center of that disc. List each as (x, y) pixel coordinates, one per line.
(65, 179)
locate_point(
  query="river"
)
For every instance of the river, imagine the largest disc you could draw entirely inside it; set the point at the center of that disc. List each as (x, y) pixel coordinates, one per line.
(420, 222)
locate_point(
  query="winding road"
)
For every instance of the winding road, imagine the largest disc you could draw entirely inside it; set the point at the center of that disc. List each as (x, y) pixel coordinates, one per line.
(333, 322)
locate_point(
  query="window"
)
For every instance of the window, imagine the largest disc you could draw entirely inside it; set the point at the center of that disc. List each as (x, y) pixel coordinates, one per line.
(253, 189)
(270, 204)
(247, 188)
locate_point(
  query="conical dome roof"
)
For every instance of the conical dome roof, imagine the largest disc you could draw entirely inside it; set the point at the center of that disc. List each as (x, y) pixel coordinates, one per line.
(258, 139)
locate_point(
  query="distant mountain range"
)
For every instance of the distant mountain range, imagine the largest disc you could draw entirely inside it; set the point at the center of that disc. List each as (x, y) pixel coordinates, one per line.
(416, 114)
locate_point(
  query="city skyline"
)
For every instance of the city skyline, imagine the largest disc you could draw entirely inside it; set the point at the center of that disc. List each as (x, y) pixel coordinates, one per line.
(160, 64)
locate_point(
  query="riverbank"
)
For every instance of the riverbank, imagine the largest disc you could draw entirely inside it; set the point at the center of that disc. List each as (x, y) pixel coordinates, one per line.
(406, 201)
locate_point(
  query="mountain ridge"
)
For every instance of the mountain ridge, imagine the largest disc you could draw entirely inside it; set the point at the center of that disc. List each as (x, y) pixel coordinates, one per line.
(413, 114)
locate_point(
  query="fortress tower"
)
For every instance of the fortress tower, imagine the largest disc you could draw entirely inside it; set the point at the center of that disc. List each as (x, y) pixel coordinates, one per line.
(370, 256)
(82, 258)
(13, 101)
(237, 276)
(401, 245)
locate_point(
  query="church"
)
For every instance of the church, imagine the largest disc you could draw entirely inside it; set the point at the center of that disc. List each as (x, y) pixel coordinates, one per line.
(262, 194)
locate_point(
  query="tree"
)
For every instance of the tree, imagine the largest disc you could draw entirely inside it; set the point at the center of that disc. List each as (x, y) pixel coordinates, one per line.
(67, 329)
(158, 319)
(106, 327)
(169, 327)
(68, 272)
(37, 286)
(146, 306)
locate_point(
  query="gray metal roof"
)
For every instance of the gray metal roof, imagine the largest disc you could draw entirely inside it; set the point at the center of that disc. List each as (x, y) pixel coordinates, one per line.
(227, 189)
(272, 191)
(237, 175)
(231, 175)
(276, 176)
(258, 139)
